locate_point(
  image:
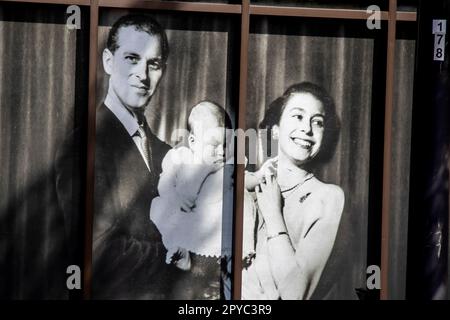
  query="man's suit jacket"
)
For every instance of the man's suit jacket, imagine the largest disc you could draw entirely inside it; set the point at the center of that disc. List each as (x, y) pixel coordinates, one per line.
(128, 255)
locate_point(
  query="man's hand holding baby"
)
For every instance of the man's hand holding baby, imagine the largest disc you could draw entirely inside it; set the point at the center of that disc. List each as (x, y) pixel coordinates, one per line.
(180, 257)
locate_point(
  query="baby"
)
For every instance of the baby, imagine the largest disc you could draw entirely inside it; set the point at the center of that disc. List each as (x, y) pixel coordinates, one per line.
(194, 210)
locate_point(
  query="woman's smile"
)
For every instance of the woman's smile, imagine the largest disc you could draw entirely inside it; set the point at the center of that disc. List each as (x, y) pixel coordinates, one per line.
(301, 128)
(303, 143)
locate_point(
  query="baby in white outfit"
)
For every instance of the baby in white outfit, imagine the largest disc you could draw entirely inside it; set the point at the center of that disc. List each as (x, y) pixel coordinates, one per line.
(195, 207)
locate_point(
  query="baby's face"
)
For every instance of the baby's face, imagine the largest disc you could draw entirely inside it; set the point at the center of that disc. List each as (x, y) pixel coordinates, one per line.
(210, 146)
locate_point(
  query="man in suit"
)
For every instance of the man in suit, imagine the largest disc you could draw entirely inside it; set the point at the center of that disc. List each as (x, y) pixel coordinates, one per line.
(128, 255)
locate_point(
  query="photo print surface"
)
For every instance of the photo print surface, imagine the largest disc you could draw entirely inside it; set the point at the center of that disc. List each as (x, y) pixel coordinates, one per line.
(163, 173)
(309, 125)
(43, 98)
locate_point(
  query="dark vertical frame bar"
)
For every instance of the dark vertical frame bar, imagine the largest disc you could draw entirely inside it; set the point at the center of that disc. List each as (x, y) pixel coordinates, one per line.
(81, 114)
(240, 168)
(90, 164)
(376, 161)
(390, 61)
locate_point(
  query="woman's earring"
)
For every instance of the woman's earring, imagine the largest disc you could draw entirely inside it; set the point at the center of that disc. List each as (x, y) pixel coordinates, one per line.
(275, 135)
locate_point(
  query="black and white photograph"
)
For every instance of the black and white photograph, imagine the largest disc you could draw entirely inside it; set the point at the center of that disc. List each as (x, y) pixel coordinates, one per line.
(254, 150)
(310, 102)
(163, 176)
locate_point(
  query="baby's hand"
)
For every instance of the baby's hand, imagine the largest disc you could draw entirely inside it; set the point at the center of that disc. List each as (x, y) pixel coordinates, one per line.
(186, 205)
(269, 167)
(252, 179)
(179, 257)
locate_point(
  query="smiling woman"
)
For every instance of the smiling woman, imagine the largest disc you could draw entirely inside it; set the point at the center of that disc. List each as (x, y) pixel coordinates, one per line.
(301, 127)
(331, 82)
(296, 215)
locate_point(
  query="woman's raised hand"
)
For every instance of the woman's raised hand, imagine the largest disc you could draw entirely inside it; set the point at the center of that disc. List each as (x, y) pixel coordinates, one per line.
(269, 167)
(269, 199)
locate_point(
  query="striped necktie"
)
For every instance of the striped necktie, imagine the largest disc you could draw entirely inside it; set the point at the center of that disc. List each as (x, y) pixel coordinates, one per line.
(142, 133)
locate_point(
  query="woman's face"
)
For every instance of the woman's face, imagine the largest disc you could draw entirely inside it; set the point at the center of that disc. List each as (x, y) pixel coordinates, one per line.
(301, 128)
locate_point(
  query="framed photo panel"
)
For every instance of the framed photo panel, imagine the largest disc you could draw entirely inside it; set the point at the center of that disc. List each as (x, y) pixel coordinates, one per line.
(119, 124)
(163, 177)
(309, 227)
(43, 98)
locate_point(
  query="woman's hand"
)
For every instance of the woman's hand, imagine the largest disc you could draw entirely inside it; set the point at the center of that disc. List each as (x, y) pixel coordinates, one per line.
(269, 199)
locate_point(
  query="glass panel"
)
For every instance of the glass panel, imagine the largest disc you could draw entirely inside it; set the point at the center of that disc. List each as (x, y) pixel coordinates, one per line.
(43, 95)
(145, 246)
(310, 234)
(405, 49)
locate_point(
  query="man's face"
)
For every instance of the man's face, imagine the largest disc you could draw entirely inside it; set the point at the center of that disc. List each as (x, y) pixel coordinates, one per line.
(135, 68)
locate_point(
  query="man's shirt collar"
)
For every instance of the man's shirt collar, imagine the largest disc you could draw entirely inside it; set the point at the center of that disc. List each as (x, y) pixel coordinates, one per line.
(125, 117)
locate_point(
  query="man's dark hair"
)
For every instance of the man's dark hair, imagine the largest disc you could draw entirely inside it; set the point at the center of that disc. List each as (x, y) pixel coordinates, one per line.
(141, 22)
